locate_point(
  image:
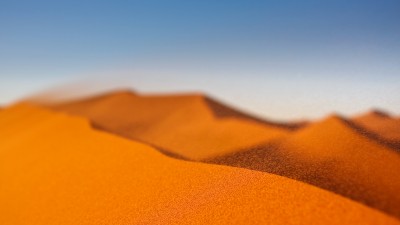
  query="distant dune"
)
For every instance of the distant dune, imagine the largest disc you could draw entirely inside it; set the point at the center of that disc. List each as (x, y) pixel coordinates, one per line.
(55, 169)
(191, 126)
(381, 124)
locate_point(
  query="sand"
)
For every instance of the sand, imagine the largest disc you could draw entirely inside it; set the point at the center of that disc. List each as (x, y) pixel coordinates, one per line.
(381, 124)
(334, 155)
(190, 126)
(56, 169)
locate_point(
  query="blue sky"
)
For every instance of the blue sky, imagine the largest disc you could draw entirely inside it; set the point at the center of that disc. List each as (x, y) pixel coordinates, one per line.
(280, 59)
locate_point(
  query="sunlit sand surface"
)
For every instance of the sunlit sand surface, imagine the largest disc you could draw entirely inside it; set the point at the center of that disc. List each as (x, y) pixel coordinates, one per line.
(125, 158)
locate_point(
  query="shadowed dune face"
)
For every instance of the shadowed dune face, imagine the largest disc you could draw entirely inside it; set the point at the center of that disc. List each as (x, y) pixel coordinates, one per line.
(381, 124)
(221, 111)
(192, 126)
(58, 170)
(330, 154)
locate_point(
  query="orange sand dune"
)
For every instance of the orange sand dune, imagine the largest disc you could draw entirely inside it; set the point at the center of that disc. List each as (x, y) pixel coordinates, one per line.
(55, 169)
(382, 124)
(333, 155)
(196, 127)
(192, 126)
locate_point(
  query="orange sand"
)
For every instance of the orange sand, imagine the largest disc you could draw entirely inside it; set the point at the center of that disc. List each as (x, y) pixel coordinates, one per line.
(382, 125)
(55, 169)
(193, 126)
(333, 155)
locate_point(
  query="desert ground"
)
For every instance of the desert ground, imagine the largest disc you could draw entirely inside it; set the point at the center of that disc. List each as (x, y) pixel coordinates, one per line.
(129, 158)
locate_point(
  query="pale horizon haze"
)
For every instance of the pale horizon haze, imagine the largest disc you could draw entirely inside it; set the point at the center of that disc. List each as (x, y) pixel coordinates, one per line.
(275, 59)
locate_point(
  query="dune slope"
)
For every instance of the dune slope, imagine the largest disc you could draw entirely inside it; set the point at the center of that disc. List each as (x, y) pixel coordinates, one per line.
(55, 169)
(192, 126)
(381, 124)
(334, 155)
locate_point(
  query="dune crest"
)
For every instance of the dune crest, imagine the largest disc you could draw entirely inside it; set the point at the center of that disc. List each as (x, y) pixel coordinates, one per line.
(381, 124)
(192, 126)
(60, 171)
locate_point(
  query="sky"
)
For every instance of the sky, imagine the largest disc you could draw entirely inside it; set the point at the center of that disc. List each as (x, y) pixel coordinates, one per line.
(279, 59)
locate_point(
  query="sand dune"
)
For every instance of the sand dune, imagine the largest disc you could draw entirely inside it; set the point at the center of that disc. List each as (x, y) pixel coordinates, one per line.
(192, 126)
(334, 155)
(58, 170)
(381, 124)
